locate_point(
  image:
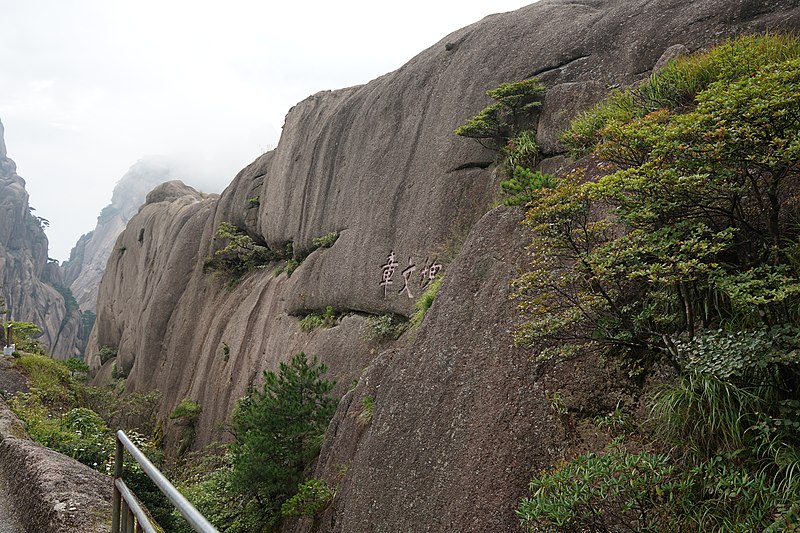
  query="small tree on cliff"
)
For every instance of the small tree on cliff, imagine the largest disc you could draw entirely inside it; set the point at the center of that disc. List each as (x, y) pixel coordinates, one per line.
(515, 108)
(278, 433)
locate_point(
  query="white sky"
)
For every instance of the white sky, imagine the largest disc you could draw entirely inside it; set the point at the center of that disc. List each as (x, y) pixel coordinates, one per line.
(87, 87)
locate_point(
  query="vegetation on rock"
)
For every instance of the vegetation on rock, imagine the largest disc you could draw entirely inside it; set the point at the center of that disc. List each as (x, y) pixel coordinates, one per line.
(187, 412)
(685, 251)
(514, 107)
(509, 125)
(106, 354)
(380, 328)
(63, 413)
(425, 302)
(312, 497)
(278, 432)
(327, 319)
(326, 241)
(240, 255)
(25, 335)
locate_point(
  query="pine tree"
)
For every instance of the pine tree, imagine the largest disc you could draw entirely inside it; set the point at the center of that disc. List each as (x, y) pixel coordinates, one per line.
(279, 431)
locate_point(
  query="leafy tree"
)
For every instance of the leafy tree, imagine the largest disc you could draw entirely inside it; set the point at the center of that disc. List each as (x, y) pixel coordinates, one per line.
(686, 248)
(695, 226)
(25, 336)
(278, 432)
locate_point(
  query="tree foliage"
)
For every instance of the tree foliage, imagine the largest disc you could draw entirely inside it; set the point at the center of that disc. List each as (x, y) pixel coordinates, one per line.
(685, 247)
(514, 108)
(677, 85)
(239, 255)
(25, 336)
(278, 432)
(696, 225)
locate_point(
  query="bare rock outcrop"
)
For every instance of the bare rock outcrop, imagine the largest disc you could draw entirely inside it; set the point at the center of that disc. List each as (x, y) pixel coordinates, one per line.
(461, 416)
(31, 284)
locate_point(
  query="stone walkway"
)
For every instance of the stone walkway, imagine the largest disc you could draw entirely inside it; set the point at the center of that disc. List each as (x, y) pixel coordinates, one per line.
(8, 518)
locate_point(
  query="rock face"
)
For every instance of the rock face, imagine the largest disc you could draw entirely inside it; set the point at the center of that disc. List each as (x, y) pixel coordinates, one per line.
(51, 492)
(32, 285)
(461, 416)
(87, 260)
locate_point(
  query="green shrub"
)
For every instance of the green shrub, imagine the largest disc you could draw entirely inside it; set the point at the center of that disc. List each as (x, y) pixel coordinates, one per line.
(107, 353)
(312, 497)
(521, 188)
(25, 336)
(676, 86)
(290, 266)
(278, 432)
(686, 251)
(240, 255)
(327, 319)
(624, 491)
(424, 302)
(212, 493)
(326, 241)
(599, 493)
(187, 412)
(311, 322)
(76, 366)
(380, 328)
(680, 236)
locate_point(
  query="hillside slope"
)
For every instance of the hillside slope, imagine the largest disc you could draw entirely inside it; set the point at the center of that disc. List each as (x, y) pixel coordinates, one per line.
(461, 415)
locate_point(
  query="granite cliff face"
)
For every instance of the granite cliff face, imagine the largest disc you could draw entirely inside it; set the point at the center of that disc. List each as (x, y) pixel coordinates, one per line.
(87, 260)
(32, 286)
(461, 415)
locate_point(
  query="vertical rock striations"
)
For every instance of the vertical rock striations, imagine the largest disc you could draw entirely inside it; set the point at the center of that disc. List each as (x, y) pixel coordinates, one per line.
(32, 285)
(460, 415)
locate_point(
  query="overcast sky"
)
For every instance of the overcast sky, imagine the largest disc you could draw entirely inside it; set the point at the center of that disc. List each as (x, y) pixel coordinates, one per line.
(87, 87)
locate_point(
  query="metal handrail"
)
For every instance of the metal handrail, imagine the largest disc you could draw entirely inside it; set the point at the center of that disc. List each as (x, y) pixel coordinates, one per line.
(125, 505)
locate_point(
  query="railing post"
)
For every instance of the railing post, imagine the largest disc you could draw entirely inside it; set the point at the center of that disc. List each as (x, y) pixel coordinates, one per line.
(124, 516)
(116, 509)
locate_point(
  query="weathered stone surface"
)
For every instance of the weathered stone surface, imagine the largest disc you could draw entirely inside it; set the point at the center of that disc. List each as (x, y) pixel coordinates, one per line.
(27, 279)
(51, 492)
(461, 398)
(3, 152)
(562, 103)
(461, 416)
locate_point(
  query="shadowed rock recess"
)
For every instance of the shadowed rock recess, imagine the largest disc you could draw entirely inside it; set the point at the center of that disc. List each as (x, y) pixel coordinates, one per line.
(461, 417)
